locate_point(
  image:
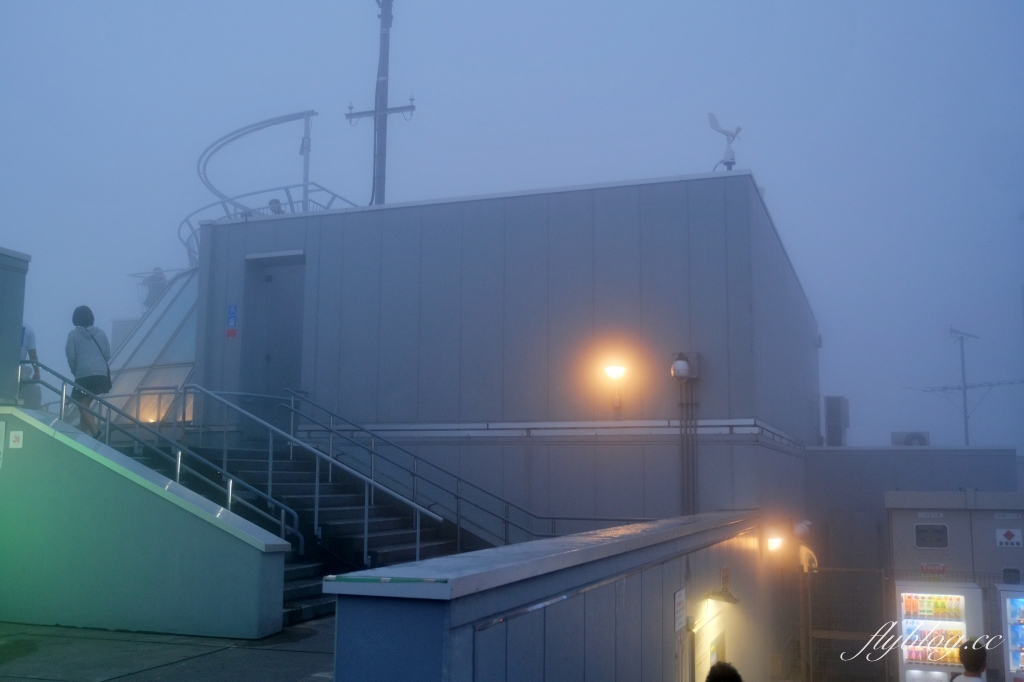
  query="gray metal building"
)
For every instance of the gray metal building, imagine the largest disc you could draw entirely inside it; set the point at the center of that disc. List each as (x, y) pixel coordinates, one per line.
(477, 331)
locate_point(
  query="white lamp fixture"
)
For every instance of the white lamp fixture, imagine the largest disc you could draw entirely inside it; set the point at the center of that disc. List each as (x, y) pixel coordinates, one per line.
(615, 373)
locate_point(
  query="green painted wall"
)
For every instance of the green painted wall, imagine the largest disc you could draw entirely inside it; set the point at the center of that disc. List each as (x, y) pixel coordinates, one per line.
(90, 538)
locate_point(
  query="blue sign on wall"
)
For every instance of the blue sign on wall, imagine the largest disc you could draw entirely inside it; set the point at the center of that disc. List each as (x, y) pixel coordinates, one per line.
(232, 330)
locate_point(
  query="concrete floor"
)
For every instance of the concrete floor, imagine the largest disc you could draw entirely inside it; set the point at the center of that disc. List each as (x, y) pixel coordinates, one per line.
(30, 652)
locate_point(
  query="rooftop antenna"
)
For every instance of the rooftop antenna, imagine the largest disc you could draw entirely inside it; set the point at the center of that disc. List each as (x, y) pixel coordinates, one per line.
(380, 111)
(962, 389)
(729, 159)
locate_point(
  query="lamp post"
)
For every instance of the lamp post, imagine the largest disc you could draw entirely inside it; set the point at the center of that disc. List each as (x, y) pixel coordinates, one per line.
(683, 372)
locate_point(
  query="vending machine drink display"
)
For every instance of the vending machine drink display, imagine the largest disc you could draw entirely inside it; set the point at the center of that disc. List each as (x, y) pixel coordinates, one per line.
(1011, 603)
(933, 618)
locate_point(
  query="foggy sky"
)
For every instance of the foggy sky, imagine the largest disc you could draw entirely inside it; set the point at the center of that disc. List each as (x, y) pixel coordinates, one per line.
(888, 136)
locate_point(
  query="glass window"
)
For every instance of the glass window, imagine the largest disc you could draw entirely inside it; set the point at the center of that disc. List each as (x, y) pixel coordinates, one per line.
(167, 376)
(182, 347)
(138, 335)
(931, 536)
(125, 383)
(162, 331)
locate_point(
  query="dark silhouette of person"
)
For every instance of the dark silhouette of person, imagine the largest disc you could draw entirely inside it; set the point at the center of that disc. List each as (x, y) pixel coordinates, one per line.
(275, 207)
(723, 672)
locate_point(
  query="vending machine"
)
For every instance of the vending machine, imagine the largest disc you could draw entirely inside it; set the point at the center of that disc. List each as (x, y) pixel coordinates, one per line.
(932, 618)
(1011, 603)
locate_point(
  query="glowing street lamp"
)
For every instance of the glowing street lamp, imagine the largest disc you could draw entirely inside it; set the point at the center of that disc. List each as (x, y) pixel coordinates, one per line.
(615, 373)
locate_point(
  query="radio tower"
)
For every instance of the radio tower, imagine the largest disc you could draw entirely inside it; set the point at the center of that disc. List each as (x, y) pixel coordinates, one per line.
(380, 111)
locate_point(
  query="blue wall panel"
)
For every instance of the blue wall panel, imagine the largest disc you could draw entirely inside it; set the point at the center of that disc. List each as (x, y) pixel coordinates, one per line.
(440, 313)
(483, 312)
(398, 366)
(525, 376)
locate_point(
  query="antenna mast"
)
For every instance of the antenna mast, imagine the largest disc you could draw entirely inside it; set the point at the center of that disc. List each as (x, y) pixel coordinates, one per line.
(380, 110)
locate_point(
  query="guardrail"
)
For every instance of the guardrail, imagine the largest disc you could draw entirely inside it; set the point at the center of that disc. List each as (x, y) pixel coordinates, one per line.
(180, 456)
(458, 500)
(370, 486)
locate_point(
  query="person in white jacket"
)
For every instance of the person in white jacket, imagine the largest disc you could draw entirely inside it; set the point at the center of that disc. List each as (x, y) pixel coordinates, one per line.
(88, 352)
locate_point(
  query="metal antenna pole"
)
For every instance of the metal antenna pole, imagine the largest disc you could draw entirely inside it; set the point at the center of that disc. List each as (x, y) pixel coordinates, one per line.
(380, 120)
(304, 150)
(380, 110)
(961, 337)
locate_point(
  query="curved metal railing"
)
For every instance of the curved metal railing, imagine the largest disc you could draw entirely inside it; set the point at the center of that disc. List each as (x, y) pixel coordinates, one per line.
(232, 206)
(133, 429)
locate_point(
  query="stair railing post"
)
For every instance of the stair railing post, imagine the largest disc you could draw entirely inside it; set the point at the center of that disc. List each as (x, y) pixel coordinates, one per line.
(282, 523)
(366, 523)
(291, 430)
(458, 515)
(506, 523)
(330, 450)
(417, 535)
(270, 464)
(224, 440)
(174, 415)
(177, 468)
(106, 434)
(230, 491)
(373, 476)
(316, 500)
(415, 479)
(63, 399)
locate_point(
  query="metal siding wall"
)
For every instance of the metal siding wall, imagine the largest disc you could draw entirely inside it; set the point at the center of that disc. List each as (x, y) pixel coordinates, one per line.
(525, 639)
(665, 292)
(482, 463)
(628, 628)
(599, 634)
(525, 360)
(571, 306)
(738, 263)
(786, 360)
(517, 474)
(564, 644)
(714, 477)
(709, 301)
(482, 311)
(311, 306)
(617, 299)
(572, 474)
(398, 368)
(360, 317)
(619, 480)
(663, 475)
(489, 655)
(330, 264)
(651, 613)
(234, 294)
(440, 313)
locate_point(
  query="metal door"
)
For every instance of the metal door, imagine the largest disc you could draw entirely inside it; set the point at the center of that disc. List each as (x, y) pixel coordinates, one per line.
(272, 333)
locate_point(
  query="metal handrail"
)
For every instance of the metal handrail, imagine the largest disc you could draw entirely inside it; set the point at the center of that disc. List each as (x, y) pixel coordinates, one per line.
(459, 481)
(175, 446)
(368, 483)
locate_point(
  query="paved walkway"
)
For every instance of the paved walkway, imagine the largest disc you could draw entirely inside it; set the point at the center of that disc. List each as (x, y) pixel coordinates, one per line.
(30, 652)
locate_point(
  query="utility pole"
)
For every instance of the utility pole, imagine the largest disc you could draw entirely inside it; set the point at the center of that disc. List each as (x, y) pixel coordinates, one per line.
(380, 110)
(961, 337)
(963, 387)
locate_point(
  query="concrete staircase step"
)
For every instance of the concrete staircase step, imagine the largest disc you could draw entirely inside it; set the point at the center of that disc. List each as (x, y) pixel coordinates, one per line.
(308, 609)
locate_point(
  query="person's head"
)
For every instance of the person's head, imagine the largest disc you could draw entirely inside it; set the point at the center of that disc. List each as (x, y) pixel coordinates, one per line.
(82, 317)
(973, 656)
(275, 206)
(723, 672)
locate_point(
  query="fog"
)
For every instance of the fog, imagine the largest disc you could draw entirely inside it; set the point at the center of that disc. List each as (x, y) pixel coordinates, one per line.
(887, 136)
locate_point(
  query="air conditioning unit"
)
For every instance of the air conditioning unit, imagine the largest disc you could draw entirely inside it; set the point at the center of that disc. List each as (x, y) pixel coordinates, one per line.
(837, 420)
(911, 438)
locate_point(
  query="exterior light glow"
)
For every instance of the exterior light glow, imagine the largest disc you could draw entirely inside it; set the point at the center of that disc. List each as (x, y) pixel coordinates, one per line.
(615, 371)
(774, 544)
